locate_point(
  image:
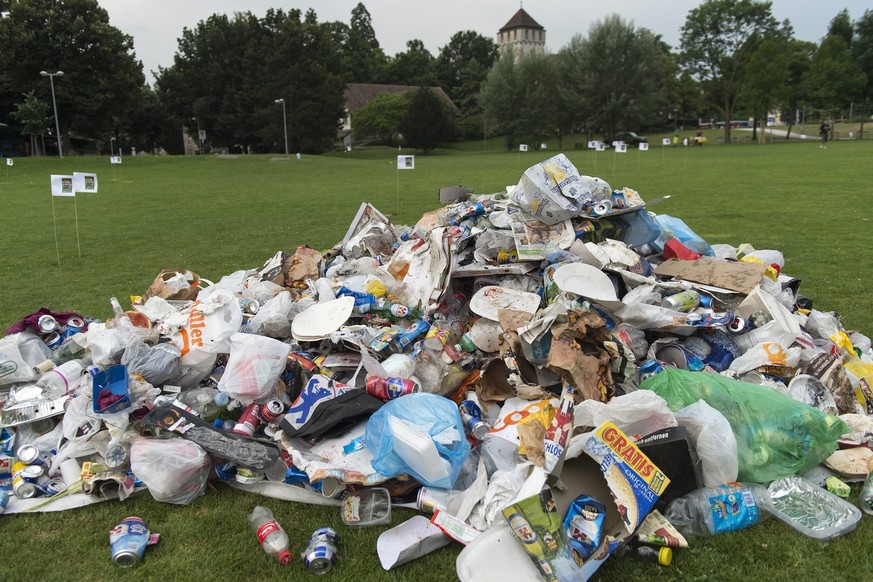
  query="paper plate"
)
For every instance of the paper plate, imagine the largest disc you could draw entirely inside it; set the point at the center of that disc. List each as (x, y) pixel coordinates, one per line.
(485, 335)
(320, 320)
(588, 282)
(489, 300)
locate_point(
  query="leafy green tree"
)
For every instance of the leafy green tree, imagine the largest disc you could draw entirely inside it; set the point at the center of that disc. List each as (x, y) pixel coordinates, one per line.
(33, 116)
(616, 74)
(767, 79)
(380, 118)
(841, 26)
(228, 73)
(718, 39)
(415, 66)
(862, 52)
(363, 58)
(102, 77)
(426, 122)
(798, 57)
(833, 77)
(502, 99)
(454, 71)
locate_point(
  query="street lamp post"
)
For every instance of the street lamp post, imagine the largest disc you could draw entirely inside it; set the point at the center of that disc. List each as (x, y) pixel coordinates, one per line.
(51, 77)
(284, 123)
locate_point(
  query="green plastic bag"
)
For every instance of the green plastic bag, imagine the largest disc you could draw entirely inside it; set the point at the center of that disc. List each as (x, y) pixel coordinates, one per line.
(776, 436)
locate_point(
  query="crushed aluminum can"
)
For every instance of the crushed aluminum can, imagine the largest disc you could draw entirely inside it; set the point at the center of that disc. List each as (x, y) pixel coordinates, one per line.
(321, 553)
(128, 541)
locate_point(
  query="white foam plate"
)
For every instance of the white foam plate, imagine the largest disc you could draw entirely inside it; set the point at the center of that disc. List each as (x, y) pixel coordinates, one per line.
(588, 282)
(320, 320)
(491, 299)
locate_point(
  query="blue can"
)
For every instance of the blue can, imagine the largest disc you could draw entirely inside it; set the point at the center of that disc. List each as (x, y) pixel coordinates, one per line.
(650, 368)
(128, 541)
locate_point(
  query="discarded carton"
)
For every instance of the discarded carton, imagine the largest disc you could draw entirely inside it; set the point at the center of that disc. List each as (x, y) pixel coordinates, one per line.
(742, 277)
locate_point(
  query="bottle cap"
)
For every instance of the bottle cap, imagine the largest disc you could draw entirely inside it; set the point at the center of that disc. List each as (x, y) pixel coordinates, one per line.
(665, 556)
(222, 398)
(285, 557)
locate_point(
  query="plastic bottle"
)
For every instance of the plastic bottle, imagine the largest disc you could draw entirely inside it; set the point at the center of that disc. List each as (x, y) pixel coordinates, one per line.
(715, 510)
(63, 379)
(205, 401)
(866, 498)
(662, 556)
(273, 538)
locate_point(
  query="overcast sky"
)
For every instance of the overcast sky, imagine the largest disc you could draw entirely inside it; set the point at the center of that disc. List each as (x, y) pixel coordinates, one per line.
(155, 25)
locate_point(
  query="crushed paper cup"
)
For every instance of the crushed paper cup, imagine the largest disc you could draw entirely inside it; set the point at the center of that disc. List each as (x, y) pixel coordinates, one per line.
(320, 320)
(588, 282)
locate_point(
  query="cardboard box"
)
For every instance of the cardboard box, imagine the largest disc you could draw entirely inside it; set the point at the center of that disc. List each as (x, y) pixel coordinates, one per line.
(496, 555)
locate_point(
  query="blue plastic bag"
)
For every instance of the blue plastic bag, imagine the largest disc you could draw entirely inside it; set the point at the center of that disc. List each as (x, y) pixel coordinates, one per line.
(672, 227)
(421, 435)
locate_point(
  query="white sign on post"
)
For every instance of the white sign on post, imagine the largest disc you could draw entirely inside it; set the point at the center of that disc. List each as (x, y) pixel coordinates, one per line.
(522, 147)
(115, 160)
(644, 147)
(665, 141)
(621, 148)
(405, 162)
(592, 145)
(62, 185)
(601, 147)
(83, 182)
(9, 161)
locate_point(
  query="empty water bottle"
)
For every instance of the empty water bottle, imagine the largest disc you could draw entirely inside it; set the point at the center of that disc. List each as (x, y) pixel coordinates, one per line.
(719, 509)
(273, 538)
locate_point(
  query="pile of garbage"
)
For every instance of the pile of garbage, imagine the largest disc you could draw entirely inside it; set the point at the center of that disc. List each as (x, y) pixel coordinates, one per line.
(556, 364)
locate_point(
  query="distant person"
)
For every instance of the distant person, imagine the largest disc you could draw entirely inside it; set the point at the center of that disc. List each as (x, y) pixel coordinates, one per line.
(824, 131)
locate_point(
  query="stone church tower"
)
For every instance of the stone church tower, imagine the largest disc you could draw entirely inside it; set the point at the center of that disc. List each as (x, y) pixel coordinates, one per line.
(522, 35)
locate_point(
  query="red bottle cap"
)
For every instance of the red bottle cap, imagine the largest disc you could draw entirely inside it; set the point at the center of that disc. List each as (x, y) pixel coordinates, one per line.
(285, 557)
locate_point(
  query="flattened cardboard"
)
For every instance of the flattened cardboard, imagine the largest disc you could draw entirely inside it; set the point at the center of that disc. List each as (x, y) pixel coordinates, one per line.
(450, 194)
(742, 277)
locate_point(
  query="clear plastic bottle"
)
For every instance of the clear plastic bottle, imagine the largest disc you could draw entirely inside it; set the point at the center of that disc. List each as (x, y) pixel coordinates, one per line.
(205, 401)
(63, 379)
(273, 538)
(715, 510)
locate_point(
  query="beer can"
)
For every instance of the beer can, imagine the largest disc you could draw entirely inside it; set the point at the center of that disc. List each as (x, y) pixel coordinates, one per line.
(683, 301)
(650, 368)
(476, 427)
(46, 324)
(53, 340)
(28, 454)
(601, 208)
(272, 410)
(21, 487)
(128, 541)
(249, 306)
(48, 486)
(75, 325)
(737, 325)
(321, 553)
(430, 499)
(390, 388)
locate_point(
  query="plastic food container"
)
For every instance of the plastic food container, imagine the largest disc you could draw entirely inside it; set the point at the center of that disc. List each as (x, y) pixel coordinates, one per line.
(811, 510)
(118, 382)
(370, 506)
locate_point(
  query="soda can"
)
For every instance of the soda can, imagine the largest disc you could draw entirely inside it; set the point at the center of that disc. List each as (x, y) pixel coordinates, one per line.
(476, 427)
(737, 325)
(46, 324)
(321, 553)
(601, 208)
(21, 487)
(683, 301)
(225, 471)
(272, 410)
(28, 454)
(249, 421)
(249, 306)
(618, 199)
(48, 486)
(128, 541)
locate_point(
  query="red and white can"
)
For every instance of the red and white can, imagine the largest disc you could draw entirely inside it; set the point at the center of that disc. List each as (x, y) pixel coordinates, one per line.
(249, 421)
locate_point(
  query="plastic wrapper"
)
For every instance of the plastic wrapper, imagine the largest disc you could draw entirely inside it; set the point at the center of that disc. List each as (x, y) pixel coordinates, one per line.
(811, 510)
(419, 434)
(583, 523)
(19, 353)
(175, 470)
(273, 318)
(157, 364)
(776, 436)
(675, 228)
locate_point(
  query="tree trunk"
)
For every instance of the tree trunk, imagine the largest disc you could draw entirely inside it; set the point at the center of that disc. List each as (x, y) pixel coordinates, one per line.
(728, 113)
(755, 128)
(788, 131)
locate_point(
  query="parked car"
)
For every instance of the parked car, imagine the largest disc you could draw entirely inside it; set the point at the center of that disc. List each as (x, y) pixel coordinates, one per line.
(631, 138)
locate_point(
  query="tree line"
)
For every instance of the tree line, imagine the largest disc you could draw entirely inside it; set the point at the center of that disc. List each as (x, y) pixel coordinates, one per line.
(231, 76)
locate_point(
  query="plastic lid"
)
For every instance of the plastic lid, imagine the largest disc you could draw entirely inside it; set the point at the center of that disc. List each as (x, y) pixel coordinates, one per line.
(285, 557)
(665, 556)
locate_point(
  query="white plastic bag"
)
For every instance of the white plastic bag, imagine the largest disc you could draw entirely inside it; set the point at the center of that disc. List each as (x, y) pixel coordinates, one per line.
(174, 470)
(253, 367)
(636, 414)
(715, 442)
(19, 353)
(273, 318)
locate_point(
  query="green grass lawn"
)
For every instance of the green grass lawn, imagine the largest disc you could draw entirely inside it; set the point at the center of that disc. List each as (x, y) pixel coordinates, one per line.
(218, 215)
